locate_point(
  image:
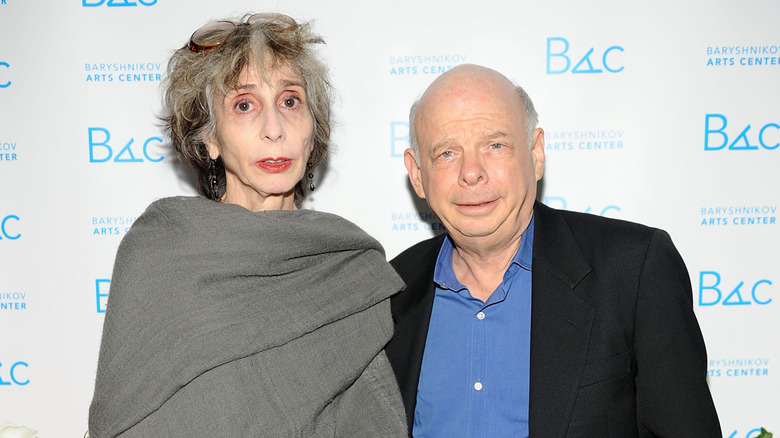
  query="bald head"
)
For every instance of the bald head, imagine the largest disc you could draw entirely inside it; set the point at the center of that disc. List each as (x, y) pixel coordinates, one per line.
(459, 87)
(461, 82)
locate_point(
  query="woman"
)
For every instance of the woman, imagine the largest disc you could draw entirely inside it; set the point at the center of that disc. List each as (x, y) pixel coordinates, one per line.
(240, 315)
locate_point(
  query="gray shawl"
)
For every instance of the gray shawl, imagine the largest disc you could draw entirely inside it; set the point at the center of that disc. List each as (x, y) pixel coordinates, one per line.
(225, 322)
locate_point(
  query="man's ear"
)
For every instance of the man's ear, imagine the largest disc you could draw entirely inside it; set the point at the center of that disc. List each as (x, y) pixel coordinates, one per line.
(414, 172)
(537, 152)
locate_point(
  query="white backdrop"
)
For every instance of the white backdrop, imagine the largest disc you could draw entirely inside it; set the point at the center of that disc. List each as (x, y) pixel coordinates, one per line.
(665, 113)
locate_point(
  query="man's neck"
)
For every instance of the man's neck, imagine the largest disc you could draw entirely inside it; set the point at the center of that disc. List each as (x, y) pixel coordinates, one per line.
(481, 269)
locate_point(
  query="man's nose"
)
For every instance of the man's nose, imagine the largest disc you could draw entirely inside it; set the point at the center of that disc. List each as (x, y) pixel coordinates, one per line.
(472, 169)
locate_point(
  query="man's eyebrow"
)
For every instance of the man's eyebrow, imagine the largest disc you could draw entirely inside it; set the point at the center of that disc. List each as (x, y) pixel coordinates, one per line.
(442, 144)
(497, 134)
(489, 135)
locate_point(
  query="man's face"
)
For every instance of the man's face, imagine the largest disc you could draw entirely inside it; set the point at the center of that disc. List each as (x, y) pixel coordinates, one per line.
(476, 169)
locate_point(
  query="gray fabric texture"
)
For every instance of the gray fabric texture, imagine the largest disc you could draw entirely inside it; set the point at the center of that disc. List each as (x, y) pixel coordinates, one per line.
(225, 322)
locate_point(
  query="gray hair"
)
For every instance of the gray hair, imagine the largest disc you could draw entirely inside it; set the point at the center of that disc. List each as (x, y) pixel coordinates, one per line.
(531, 121)
(194, 78)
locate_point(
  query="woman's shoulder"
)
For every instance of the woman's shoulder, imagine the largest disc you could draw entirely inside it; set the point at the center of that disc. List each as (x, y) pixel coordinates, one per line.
(178, 204)
(325, 217)
(185, 211)
(330, 229)
(165, 221)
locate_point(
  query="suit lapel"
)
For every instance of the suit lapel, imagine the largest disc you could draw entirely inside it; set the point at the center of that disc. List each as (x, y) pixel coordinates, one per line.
(561, 320)
(411, 314)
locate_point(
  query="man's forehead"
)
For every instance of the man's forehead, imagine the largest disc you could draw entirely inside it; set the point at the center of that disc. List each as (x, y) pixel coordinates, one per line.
(446, 122)
(471, 105)
(466, 133)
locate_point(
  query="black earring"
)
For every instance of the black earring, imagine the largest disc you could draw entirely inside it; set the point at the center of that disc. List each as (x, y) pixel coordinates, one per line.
(310, 175)
(213, 181)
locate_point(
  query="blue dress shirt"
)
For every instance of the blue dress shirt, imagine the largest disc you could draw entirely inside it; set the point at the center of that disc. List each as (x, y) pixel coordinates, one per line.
(475, 369)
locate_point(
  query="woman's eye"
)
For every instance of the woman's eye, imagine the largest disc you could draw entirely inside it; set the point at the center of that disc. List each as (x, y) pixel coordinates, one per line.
(290, 102)
(244, 106)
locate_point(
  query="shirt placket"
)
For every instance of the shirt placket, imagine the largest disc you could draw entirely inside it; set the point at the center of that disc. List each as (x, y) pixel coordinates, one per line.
(479, 386)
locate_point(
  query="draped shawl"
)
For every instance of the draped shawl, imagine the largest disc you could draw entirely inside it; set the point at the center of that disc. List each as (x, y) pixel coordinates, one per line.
(225, 322)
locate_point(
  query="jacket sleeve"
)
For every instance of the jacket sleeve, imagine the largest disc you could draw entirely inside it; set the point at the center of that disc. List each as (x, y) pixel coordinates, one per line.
(673, 398)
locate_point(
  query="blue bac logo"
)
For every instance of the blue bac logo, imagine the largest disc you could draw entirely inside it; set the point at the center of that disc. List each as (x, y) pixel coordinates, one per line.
(559, 59)
(99, 138)
(13, 374)
(399, 138)
(7, 227)
(752, 433)
(561, 204)
(116, 3)
(712, 293)
(4, 65)
(102, 287)
(749, 138)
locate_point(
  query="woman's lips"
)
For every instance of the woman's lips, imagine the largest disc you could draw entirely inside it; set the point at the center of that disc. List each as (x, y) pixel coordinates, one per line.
(274, 165)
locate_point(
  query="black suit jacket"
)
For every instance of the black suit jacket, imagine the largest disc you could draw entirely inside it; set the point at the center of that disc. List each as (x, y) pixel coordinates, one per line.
(616, 350)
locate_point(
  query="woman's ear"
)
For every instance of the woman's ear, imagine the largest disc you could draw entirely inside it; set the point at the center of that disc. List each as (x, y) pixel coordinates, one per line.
(212, 147)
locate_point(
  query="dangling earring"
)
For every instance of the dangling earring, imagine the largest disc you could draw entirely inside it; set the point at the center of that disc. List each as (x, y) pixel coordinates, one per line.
(310, 175)
(213, 181)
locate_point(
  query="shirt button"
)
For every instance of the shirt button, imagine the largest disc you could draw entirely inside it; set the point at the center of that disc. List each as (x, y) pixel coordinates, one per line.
(481, 316)
(478, 386)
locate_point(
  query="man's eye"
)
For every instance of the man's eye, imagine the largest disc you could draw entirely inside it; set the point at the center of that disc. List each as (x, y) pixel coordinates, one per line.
(496, 146)
(446, 154)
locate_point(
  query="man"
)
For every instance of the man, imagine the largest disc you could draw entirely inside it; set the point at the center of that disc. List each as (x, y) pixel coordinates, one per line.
(527, 320)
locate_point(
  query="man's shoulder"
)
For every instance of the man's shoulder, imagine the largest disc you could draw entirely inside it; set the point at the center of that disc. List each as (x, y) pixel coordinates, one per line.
(592, 225)
(417, 257)
(420, 251)
(595, 237)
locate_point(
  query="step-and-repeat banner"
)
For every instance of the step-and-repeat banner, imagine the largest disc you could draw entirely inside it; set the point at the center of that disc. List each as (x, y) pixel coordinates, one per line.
(665, 113)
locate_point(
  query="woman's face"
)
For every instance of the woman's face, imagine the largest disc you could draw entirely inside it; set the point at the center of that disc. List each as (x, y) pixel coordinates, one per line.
(264, 136)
